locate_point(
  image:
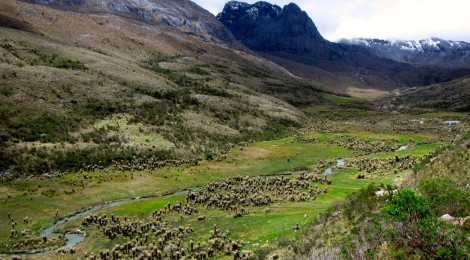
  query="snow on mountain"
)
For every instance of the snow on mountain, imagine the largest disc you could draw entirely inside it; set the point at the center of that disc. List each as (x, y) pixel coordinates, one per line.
(431, 44)
(428, 52)
(254, 11)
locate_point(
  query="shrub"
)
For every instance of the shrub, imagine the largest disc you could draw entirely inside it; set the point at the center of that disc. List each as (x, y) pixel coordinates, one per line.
(45, 127)
(416, 227)
(56, 61)
(208, 156)
(445, 197)
(408, 206)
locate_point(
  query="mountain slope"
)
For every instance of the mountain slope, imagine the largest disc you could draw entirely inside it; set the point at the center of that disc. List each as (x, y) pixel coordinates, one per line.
(97, 88)
(449, 96)
(183, 15)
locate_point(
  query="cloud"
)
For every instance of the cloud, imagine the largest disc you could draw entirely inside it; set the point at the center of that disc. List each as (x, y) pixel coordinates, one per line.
(404, 19)
(385, 19)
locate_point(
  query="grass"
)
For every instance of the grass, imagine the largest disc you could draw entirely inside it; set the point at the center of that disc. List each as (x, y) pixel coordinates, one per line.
(256, 159)
(40, 198)
(443, 115)
(335, 110)
(271, 156)
(137, 133)
(363, 230)
(63, 88)
(264, 226)
(417, 150)
(373, 137)
(342, 99)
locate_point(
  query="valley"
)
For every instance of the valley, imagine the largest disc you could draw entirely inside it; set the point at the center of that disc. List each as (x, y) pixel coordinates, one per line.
(357, 139)
(156, 130)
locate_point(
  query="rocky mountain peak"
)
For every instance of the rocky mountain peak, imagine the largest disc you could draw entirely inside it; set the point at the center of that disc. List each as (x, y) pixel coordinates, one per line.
(254, 11)
(292, 7)
(269, 28)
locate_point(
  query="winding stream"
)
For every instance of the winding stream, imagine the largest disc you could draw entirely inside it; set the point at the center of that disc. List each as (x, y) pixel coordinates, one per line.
(77, 236)
(74, 237)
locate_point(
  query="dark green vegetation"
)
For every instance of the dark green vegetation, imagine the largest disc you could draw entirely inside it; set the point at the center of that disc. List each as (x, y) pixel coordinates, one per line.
(417, 227)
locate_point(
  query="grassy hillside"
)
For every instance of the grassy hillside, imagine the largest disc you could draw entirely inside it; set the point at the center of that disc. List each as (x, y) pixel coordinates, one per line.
(450, 96)
(114, 89)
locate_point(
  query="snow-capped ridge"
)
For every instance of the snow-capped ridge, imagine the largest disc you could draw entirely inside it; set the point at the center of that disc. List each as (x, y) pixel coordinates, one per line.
(235, 5)
(430, 44)
(427, 52)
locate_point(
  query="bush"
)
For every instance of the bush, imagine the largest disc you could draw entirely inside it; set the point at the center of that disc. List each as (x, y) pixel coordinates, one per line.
(54, 60)
(6, 91)
(407, 206)
(208, 156)
(41, 161)
(417, 228)
(44, 127)
(445, 197)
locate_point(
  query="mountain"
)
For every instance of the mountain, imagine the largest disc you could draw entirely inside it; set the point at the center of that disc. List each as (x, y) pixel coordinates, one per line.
(289, 37)
(429, 52)
(268, 28)
(181, 14)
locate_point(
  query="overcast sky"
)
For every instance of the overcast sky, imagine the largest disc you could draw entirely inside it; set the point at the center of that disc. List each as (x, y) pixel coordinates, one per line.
(384, 19)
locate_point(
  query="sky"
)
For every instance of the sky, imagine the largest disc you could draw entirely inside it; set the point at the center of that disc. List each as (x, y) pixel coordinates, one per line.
(383, 19)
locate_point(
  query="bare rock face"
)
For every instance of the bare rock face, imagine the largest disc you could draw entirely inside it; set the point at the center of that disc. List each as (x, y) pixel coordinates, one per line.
(183, 15)
(290, 38)
(269, 28)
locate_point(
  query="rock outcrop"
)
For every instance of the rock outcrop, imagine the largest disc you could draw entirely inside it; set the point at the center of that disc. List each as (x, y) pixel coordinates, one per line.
(181, 14)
